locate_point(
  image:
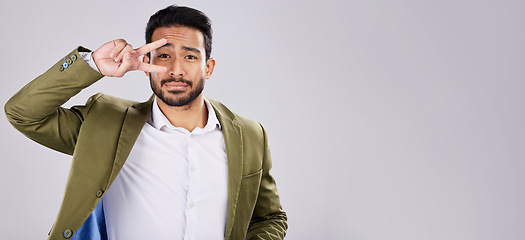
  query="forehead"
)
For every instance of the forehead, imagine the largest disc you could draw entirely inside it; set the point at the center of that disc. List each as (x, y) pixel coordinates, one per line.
(180, 36)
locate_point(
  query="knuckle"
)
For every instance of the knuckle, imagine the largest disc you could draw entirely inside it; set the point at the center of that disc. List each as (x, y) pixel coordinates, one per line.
(119, 41)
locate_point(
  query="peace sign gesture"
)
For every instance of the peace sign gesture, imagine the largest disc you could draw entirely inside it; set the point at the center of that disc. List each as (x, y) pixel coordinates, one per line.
(117, 57)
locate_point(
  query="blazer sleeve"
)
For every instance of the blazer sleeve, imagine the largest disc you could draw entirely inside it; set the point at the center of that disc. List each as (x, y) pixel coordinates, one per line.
(268, 221)
(35, 109)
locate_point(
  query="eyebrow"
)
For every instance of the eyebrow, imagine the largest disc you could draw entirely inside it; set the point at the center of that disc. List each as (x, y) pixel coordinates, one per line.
(191, 49)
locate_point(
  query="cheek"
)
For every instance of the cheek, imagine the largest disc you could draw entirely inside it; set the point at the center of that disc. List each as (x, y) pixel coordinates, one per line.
(202, 70)
(154, 79)
(157, 76)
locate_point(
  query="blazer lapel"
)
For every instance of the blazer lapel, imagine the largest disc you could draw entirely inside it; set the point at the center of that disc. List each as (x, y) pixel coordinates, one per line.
(136, 117)
(234, 153)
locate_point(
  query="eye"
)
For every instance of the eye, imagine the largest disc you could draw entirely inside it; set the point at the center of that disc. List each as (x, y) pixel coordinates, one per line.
(163, 55)
(191, 57)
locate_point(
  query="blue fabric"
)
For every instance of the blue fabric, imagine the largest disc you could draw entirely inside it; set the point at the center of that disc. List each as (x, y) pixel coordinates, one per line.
(94, 228)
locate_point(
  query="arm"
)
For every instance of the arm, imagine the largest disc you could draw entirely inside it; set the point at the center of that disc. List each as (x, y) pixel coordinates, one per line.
(268, 219)
(35, 110)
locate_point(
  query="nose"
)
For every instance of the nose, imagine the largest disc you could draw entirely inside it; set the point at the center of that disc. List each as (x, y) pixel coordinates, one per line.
(176, 69)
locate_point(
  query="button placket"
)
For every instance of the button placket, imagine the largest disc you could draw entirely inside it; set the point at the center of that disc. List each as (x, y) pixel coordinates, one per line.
(190, 204)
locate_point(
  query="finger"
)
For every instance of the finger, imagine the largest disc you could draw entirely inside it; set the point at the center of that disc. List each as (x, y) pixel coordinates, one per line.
(127, 49)
(118, 44)
(151, 46)
(125, 66)
(146, 67)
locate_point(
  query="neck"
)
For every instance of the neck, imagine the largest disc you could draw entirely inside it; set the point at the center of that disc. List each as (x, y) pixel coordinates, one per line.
(190, 116)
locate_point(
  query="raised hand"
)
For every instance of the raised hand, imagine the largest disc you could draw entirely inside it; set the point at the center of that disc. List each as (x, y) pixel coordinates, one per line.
(117, 57)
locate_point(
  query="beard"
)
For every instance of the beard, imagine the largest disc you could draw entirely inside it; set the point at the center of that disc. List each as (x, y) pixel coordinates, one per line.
(177, 98)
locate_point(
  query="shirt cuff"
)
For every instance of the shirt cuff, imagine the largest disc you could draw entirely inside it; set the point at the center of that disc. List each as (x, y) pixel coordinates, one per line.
(88, 58)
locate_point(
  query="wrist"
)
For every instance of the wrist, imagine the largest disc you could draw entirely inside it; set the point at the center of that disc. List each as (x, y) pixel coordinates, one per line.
(88, 58)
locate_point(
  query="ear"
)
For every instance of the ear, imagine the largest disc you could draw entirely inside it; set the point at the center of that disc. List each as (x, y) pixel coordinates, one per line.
(145, 59)
(210, 65)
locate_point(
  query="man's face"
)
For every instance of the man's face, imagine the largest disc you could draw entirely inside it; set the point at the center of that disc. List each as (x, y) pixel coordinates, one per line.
(185, 58)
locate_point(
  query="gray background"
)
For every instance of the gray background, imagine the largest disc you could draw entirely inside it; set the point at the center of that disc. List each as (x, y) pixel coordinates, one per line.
(387, 119)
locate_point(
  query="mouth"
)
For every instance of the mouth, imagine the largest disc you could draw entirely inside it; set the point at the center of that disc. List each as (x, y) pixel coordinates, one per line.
(175, 84)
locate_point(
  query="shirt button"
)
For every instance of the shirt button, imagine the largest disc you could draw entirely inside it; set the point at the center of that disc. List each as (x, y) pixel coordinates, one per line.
(193, 169)
(68, 233)
(99, 193)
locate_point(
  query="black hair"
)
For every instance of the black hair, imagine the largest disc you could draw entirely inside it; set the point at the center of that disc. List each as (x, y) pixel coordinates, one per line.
(175, 16)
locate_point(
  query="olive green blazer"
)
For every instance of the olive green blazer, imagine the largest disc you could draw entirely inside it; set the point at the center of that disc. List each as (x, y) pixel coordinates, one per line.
(101, 133)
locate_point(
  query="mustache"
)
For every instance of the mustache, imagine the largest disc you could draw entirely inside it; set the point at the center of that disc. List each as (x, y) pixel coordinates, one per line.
(182, 80)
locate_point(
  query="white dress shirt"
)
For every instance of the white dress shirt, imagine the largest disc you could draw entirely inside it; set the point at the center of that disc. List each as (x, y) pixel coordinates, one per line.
(174, 184)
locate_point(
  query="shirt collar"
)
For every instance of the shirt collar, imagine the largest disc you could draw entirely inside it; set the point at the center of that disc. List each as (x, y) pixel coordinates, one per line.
(159, 121)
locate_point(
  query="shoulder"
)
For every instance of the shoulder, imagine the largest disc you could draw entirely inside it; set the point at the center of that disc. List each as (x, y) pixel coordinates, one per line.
(102, 106)
(108, 102)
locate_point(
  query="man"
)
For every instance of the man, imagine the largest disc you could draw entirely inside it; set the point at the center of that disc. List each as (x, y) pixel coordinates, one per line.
(178, 166)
